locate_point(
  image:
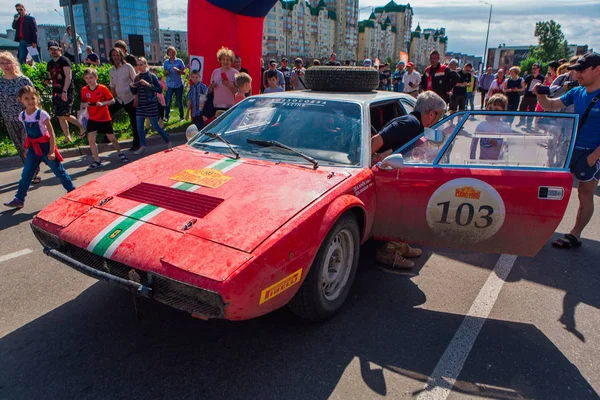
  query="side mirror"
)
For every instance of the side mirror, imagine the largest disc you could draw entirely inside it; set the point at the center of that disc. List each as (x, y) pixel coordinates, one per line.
(394, 161)
(191, 131)
(433, 135)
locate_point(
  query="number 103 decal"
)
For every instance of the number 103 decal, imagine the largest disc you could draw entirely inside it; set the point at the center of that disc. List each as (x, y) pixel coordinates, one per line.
(465, 210)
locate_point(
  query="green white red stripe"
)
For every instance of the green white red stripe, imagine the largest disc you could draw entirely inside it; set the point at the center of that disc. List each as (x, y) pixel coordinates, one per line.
(110, 238)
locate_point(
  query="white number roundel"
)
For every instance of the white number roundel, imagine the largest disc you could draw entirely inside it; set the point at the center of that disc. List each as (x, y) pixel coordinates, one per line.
(465, 210)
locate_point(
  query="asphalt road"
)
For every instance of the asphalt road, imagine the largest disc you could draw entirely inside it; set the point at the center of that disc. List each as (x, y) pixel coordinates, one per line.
(64, 335)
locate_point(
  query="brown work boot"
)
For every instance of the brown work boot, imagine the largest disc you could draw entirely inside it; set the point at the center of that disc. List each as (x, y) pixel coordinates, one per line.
(405, 249)
(392, 258)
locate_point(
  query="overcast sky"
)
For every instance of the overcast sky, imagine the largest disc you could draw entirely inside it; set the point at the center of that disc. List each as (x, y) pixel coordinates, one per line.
(513, 21)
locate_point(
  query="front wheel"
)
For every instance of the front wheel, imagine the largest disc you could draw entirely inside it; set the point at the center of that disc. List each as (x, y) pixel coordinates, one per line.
(330, 278)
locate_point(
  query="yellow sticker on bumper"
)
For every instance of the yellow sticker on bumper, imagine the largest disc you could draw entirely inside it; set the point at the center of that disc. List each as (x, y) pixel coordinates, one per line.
(281, 286)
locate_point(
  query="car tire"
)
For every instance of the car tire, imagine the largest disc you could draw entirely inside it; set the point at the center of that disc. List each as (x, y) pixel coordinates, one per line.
(341, 79)
(332, 273)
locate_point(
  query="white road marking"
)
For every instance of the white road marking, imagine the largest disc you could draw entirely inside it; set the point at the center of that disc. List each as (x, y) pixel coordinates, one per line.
(15, 255)
(448, 368)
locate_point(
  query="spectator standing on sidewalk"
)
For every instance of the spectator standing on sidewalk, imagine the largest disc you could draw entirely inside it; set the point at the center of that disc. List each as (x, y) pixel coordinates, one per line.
(91, 58)
(280, 77)
(438, 77)
(397, 77)
(297, 75)
(333, 62)
(497, 85)
(471, 90)
(237, 64)
(196, 99)
(63, 92)
(222, 81)
(67, 45)
(411, 80)
(529, 99)
(459, 93)
(11, 81)
(585, 161)
(286, 73)
(145, 87)
(485, 81)
(122, 76)
(174, 69)
(26, 33)
(513, 87)
(130, 59)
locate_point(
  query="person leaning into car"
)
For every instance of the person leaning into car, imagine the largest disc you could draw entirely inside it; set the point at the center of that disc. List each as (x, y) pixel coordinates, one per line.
(428, 110)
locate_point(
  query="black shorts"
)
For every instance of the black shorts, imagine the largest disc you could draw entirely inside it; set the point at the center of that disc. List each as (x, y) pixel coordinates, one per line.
(580, 168)
(62, 108)
(105, 127)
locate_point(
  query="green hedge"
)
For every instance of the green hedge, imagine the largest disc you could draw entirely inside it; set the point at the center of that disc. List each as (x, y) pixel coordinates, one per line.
(38, 73)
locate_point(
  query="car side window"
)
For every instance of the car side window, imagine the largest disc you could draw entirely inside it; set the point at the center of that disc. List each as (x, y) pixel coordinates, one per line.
(425, 151)
(407, 107)
(496, 140)
(383, 113)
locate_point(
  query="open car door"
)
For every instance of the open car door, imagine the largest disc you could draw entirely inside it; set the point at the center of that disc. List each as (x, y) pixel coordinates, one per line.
(479, 181)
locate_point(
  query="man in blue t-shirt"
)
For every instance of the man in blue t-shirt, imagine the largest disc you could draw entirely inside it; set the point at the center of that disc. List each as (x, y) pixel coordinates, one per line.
(585, 162)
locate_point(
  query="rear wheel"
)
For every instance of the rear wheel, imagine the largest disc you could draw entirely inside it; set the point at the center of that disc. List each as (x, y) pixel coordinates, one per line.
(330, 278)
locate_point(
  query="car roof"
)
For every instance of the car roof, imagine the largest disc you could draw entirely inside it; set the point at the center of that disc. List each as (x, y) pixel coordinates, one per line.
(362, 97)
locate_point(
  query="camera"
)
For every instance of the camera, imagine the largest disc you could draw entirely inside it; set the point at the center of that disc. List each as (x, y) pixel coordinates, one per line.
(543, 89)
(572, 84)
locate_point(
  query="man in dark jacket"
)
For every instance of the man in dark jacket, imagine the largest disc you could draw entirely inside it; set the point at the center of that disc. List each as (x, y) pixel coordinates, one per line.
(438, 78)
(26, 33)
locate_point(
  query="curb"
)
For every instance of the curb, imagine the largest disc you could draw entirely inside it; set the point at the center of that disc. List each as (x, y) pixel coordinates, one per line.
(15, 161)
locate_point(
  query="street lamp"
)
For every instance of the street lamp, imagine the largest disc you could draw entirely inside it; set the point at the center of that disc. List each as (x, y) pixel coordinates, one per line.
(488, 33)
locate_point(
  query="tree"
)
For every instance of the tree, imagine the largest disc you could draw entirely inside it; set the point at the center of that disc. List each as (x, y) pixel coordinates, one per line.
(183, 55)
(526, 64)
(552, 44)
(388, 60)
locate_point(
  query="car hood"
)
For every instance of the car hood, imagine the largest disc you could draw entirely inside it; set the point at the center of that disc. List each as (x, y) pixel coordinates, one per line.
(236, 203)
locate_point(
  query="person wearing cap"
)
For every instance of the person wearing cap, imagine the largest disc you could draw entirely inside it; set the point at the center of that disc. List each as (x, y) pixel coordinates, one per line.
(411, 80)
(367, 63)
(26, 33)
(297, 75)
(585, 161)
(286, 73)
(63, 91)
(397, 81)
(273, 67)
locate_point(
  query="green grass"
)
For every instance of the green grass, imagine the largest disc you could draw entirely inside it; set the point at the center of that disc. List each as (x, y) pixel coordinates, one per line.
(121, 128)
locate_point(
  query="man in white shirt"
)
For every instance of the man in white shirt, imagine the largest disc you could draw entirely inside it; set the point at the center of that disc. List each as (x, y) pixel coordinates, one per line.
(411, 80)
(122, 75)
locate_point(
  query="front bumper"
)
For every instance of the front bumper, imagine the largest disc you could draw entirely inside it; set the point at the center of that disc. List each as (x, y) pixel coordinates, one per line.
(191, 299)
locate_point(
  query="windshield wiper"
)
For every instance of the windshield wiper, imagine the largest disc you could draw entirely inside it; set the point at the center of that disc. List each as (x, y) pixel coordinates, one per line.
(219, 138)
(275, 143)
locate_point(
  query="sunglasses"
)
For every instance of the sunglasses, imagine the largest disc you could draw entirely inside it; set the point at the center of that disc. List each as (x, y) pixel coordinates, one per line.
(20, 9)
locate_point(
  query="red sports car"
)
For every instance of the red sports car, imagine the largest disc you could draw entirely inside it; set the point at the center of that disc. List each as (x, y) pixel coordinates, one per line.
(270, 203)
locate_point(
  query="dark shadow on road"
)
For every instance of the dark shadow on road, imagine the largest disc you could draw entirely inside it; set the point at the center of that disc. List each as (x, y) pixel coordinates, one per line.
(13, 217)
(93, 347)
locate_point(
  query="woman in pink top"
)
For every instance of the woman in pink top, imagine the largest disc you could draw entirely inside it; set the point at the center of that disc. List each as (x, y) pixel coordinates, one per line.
(222, 81)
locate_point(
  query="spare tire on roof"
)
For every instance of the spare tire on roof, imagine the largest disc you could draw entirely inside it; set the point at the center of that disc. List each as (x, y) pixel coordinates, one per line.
(341, 79)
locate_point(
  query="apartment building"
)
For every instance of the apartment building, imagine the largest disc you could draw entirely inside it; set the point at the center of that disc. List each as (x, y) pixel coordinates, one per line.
(423, 42)
(177, 39)
(377, 39)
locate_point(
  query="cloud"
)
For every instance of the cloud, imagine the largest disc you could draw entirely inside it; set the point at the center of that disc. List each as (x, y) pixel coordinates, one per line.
(513, 21)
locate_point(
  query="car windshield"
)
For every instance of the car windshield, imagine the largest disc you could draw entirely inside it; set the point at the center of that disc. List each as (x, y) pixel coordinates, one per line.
(328, 131)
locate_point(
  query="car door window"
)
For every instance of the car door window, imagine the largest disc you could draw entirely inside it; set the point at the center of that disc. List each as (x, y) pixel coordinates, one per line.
(496, 140)
(383, 113)
(408, 107)
(425, 151)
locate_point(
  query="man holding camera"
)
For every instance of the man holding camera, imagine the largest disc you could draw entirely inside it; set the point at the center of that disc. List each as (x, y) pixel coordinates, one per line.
(585, 162)
(297, 75)
(26, 33)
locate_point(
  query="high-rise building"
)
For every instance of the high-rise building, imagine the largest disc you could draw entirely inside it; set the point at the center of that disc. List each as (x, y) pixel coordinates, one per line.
(346, 27)
(377, 39)
(400, 18)
(177, 39)
(424, 42)
(298, 29)
(100, 23)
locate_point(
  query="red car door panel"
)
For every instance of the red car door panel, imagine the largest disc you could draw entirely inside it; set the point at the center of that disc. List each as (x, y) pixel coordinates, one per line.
(485, 210)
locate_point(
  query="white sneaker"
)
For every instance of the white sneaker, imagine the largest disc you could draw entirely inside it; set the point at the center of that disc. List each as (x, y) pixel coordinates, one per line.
(141, 150)
(170, 145)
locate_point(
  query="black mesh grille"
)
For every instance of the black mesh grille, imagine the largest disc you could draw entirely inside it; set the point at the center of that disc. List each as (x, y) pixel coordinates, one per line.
(172, 293)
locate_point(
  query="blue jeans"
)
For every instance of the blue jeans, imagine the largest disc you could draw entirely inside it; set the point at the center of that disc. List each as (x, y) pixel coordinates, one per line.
(155, 126)
(178, 99)
(32, 162)
(23, 45)
(470, 100)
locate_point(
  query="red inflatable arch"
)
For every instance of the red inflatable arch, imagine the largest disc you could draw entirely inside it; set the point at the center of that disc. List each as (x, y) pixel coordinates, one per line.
(236, 24)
